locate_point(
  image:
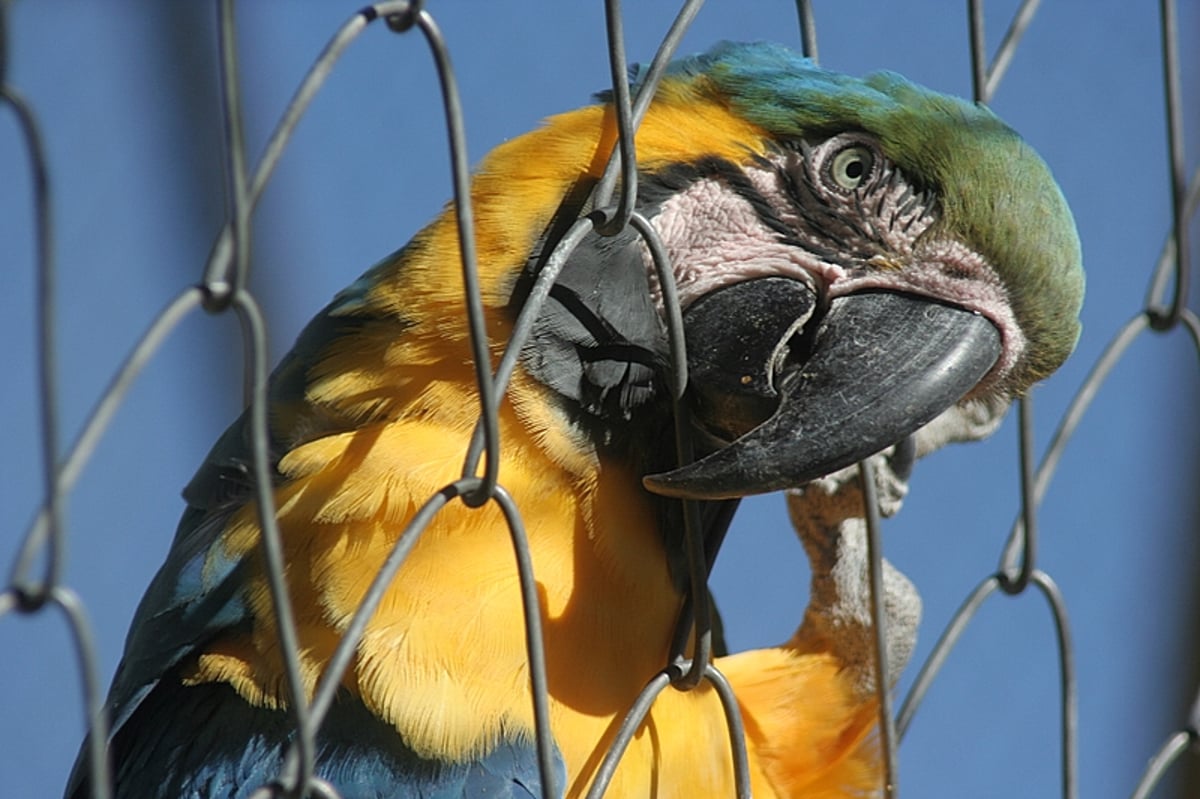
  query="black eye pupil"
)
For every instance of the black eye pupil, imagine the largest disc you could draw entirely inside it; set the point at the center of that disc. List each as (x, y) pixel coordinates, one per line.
(854, 170)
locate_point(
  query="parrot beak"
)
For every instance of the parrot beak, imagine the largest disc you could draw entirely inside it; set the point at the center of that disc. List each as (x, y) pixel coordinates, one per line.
(787, 397)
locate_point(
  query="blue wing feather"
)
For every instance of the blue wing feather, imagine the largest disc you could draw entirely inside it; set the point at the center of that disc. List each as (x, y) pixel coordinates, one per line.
(206, 741)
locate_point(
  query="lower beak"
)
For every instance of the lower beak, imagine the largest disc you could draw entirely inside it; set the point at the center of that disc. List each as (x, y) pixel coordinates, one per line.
(797, 399)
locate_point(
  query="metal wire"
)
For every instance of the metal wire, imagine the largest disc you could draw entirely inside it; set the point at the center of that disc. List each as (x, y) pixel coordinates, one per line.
(22, 595)
(1033, 486)
(1008, 47)
(223, 287)
(230, 291)
(888, 736)
(32, 595)
(625, 155)
(887, 726)
(1165, 319)
(808, 29)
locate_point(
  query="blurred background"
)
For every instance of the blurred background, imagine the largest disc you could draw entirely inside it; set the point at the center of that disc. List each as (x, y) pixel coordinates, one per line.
(126, 94)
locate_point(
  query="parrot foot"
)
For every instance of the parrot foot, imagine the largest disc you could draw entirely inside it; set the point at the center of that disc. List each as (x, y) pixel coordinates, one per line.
(829, 516)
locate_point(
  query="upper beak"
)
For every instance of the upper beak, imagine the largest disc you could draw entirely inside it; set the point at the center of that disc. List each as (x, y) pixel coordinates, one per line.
(798, 398)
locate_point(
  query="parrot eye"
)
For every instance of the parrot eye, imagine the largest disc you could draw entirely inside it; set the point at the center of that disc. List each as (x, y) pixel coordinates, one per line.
(851, 167)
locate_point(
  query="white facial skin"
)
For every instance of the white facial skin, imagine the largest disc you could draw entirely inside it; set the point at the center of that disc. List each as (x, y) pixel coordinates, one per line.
(843, 219)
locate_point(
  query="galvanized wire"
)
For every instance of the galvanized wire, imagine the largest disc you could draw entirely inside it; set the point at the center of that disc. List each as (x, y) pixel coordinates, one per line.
(223, 287)
(887, 725)
(1011, 576)
(230, 291)
(23, 595)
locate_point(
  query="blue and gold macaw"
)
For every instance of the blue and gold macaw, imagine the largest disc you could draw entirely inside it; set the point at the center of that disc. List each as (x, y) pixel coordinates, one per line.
(855, 258)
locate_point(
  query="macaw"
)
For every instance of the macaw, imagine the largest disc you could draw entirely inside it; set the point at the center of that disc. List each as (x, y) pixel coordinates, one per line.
(855, 259)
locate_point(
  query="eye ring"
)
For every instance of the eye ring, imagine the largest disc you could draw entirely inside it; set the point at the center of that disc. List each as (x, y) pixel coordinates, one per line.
(851, 166)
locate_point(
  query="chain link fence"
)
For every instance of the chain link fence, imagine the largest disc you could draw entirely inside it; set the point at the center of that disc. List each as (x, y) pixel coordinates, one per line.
(46, 566)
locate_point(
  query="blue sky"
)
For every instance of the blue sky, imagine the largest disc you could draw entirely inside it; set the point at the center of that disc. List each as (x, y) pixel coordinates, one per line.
(137, 203)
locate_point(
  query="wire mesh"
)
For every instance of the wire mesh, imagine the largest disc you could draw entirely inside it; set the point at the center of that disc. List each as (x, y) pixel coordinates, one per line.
(37, 583)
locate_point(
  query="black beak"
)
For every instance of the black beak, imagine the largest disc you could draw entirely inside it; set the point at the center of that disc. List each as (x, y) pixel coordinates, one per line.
(797, 398)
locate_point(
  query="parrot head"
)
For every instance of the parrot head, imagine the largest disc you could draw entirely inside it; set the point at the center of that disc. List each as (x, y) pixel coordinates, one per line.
(853, 258)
